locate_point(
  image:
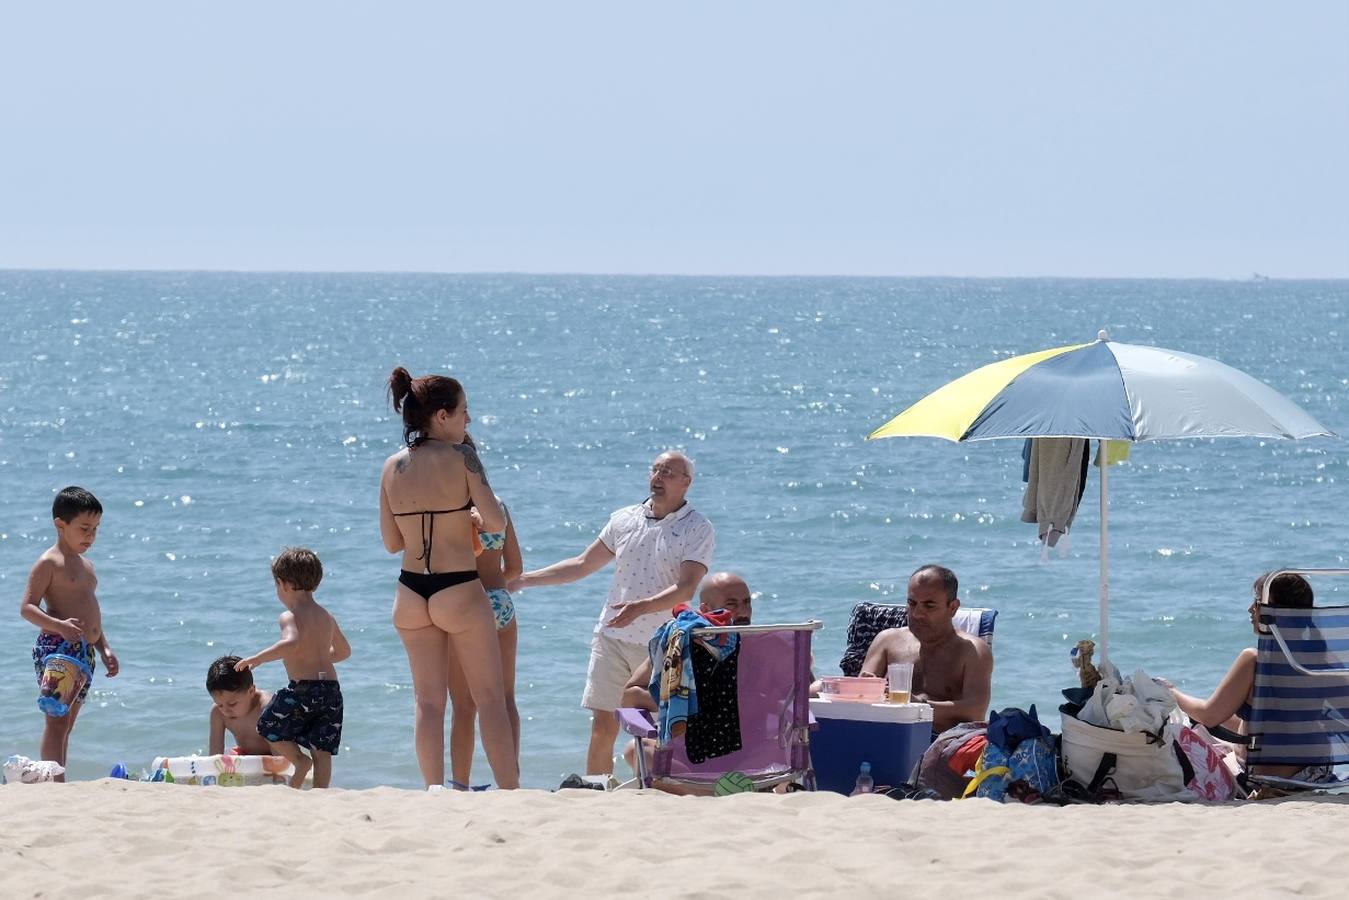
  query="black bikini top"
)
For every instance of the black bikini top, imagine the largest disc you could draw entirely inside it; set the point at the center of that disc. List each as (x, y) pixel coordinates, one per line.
(429, 527)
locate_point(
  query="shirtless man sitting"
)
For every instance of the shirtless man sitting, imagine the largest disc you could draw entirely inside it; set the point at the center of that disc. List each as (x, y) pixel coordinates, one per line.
(952, 671)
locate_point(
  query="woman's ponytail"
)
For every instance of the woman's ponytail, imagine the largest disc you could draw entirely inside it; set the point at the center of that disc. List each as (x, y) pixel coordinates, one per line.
(400, 386)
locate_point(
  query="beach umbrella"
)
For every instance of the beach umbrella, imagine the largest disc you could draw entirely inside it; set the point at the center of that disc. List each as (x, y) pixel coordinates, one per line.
(1104, 391)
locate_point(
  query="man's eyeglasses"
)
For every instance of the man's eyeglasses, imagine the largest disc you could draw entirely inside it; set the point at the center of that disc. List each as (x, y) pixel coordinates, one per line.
(666, 472)
(738, 600)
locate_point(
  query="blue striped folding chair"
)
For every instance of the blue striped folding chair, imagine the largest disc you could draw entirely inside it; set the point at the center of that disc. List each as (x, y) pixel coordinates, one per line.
(1300, 704)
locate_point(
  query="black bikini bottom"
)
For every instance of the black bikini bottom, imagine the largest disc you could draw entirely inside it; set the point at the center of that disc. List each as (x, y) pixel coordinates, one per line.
(429, 583)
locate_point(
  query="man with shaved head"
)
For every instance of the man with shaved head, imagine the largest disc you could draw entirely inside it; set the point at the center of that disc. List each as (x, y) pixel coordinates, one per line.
(952, 671)
(661, 549)
(724, 590)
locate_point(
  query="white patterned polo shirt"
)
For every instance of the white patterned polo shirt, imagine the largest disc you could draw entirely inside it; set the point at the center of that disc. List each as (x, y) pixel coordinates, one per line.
(647, 555)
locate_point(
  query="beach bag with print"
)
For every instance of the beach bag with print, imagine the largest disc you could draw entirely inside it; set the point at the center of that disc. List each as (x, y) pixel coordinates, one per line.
(1203, 766)
(1033, 766)
(1020, 753)
(991, 776)
(1035, 763)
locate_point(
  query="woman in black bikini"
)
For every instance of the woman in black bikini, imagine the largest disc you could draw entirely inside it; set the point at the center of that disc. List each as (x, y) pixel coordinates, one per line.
(426, 492)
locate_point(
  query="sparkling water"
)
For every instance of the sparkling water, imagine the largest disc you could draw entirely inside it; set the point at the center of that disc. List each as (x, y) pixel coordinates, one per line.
(220, 417)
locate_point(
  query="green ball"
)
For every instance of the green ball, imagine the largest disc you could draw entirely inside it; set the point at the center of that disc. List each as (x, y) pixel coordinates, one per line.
(733, 783)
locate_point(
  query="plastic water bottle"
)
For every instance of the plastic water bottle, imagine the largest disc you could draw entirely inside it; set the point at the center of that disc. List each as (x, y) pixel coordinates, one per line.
(865, 784)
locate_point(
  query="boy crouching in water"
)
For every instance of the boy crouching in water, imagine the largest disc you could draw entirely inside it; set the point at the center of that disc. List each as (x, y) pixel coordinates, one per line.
(72, 623)
(308, 711)
(236, 706)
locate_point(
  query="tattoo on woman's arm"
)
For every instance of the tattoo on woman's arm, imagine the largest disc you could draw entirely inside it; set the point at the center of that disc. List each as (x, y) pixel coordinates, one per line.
(471, 461)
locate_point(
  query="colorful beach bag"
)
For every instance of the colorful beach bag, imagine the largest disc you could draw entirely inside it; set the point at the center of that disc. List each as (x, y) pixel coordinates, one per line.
(1020, 758)
(1204, 766)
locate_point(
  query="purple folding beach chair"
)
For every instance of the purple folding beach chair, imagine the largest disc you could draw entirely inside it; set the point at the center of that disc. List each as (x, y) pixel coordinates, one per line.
(773, 692)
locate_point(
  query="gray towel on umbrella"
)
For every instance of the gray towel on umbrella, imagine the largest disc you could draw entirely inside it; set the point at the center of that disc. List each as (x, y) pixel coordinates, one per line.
(1058, 472)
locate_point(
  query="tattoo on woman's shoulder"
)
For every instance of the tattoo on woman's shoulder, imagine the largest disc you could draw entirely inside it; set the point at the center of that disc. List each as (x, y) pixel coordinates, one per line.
(400, 465)
(471, 461)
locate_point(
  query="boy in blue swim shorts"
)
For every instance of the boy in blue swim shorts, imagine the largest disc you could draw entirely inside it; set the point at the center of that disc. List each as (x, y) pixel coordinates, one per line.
(71, 623)
(307, 712)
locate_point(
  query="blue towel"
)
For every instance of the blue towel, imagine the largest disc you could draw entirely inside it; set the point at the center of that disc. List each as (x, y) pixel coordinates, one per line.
(673, 687)
(1007, 729)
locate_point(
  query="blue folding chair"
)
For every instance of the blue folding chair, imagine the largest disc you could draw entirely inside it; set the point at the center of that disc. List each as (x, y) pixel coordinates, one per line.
(1300, 704)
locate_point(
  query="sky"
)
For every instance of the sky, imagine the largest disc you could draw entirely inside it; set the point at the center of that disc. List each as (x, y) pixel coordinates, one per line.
(1147, 139)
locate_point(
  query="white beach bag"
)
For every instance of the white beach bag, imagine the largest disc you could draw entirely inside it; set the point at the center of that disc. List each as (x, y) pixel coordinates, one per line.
(1139, 766)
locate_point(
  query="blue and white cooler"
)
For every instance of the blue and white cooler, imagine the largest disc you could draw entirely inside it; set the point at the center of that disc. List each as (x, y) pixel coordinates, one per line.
(890, 736)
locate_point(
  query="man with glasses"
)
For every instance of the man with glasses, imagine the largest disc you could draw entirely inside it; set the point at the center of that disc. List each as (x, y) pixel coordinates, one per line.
(661, 549)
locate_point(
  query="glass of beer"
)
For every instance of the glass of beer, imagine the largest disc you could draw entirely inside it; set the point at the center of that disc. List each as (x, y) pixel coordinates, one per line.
(899, 680)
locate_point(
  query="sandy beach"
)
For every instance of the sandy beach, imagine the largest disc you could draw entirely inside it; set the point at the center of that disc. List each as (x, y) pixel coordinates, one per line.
(153, 840)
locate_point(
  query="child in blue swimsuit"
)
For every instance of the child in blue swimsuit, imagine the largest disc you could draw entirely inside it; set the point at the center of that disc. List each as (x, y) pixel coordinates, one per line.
(499, 561)
(502, 605)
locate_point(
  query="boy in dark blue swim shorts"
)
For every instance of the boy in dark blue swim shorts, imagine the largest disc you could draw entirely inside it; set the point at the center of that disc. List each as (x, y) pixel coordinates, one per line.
(308, 711)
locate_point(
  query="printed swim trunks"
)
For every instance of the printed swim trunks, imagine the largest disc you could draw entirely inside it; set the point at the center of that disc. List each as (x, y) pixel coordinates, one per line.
(502, 606)
(49, 643)
(309, 713)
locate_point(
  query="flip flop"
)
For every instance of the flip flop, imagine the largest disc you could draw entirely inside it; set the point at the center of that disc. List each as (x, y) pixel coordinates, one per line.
(460, 786)
(912, 792)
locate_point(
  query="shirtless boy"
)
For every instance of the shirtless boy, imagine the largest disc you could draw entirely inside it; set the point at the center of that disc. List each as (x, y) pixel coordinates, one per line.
(952, 671)
(236, 705)
(308, 711)
(72, 623)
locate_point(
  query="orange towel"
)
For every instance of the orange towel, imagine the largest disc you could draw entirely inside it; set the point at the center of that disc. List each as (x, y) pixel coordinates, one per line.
(966, 759)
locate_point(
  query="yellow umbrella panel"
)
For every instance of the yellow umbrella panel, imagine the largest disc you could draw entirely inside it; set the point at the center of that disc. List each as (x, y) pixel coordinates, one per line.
(949, 411)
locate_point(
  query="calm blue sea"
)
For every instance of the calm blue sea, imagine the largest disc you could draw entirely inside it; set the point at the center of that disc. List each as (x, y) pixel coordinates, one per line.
(220, 417)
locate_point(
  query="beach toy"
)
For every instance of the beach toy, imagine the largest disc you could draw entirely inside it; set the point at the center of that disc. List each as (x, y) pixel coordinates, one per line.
(733, 783)
(1087, 674)
(63, 677)
(119, 771)
(224, 770)
(22, 770)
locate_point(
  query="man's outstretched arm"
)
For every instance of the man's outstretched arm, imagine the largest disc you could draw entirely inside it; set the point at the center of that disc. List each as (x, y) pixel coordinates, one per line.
(595, 557)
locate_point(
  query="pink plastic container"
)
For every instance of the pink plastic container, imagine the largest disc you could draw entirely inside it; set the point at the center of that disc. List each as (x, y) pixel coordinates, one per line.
(853, 690)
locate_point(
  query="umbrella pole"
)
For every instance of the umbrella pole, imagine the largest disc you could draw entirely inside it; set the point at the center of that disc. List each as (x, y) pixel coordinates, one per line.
(1105, 555)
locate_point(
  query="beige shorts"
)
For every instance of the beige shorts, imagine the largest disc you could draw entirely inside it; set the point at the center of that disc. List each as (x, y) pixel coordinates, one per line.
(612, 663)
